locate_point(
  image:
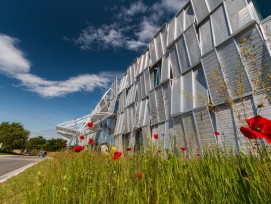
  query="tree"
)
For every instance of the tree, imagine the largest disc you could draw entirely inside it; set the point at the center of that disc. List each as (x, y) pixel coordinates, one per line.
(55, 144)
(13, 136)
(36, 143)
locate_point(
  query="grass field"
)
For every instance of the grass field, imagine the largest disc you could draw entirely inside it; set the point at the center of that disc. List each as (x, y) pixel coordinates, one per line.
(90, 177)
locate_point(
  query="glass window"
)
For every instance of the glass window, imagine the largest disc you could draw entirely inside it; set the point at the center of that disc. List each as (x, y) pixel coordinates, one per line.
(263, 7)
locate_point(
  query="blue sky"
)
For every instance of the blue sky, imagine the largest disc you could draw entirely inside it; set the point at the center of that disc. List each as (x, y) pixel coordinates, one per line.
(58, 57)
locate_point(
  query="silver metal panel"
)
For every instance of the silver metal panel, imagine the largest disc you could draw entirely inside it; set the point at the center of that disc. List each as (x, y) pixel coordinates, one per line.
(152, 80)
(192, 45)
(200, 91)
(119, 124)
(174, 62)
(219, 25)
(153, 107)
(146, 113)
(214, 78)
(137, 121)
(164, 40)
(238, 13)
(234, 72)
(266, 30)
(171, 32)
(161, 133)
(138, 90)
(255, 57)
(189, 17)
(122, 101)
(176, 96)
(212, 4)
(187, 92)
(143, 91)
(243, 110)
(205, 128)
(146, 132)
(190, 133)
(147, 80)
(147, 59)
(167, 97)
(160, 104)
(158, 47)
(179, 24)
(206, 39)
(200, 9)
(179, 137)
(264, 99)
(182, 53)
(165, 70)
(128, 82)
(153, 56)
(226, 127)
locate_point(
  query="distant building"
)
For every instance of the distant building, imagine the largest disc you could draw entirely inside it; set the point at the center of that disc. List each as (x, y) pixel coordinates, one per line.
(180, 88)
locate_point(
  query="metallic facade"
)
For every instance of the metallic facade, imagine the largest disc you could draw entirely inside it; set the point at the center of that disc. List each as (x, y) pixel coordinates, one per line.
(196, 77)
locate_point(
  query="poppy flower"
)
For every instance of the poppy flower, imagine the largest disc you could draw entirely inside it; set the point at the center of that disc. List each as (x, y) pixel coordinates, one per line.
(155, 136)
(140, 175)
(82, 137)
(183, 148)
(117, 154)
(198, 155)
(90, 141)
(217, 133)
(115, 158)
(78, 148)
(90, 124)
(129, 149)
(258, 127)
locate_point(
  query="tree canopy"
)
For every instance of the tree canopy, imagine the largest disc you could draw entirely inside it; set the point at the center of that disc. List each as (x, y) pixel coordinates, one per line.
(55, 144)
(36, 143)
(13, 135)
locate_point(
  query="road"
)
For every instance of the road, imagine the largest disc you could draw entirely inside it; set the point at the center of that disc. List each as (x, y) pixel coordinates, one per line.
(10, 163)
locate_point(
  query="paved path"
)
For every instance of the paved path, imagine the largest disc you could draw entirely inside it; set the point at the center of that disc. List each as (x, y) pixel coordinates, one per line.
(13, 165)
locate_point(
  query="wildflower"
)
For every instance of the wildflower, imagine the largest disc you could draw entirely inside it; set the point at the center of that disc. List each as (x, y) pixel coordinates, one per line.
(258, 127)
(217, 133)
(198, 155)
(82, 137)
(183, 148)
(117, 155)
(129, 149)
(78, 148)
(90, 124)
(90, 141)
(140, 175)
(155, 136)
(113, 148)
(115, 158)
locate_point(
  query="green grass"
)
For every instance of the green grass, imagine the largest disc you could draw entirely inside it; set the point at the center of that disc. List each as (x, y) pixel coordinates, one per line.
(89, 177)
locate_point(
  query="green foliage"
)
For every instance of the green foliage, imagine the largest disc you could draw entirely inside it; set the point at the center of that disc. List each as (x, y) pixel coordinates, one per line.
(89, 177)
(54, 145)
(13, 135)
(36, 143)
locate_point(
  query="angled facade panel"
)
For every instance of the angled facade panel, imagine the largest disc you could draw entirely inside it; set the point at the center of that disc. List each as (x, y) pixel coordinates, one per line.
(233, 70)
(167, 97)
(147, 80)
(220, 26)
(179, 24)
(160, 104)
(179, 137)
(192, 45)
(153, 107)
(206, 38)
(165, 69)
(174, 62)
(182, 53)
(200, 89)
(212, 4)
(200, 9)
(176, 96)
(158, 46)
(217, 87)
(171, 32)
(189, 17)
(187, 92)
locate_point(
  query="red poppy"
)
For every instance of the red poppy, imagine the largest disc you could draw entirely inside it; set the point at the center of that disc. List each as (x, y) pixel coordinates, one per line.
(129, 149)
(115, 158)
(140, 175)
(198, 155)
(82, 137)
(217, 133)
(155, 136)
(183, 148)
(258, 127)
(90, 141)
(117, 154)
(78, 148)
(90, 124)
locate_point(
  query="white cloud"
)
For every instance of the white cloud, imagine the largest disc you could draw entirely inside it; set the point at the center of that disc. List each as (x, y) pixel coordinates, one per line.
(13, 64)
(133, 26)
(12, 59)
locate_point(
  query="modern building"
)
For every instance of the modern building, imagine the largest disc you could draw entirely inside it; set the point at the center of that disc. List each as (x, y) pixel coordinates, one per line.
(205, 71)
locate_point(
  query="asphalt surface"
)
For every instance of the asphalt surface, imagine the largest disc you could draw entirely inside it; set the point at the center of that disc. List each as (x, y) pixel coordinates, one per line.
(11, 163)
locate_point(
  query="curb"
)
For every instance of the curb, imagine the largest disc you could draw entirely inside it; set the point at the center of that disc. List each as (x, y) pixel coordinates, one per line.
(7, 176)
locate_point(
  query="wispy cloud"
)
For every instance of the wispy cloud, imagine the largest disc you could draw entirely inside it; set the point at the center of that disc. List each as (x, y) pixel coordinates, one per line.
(15, 65)
(132, 27)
